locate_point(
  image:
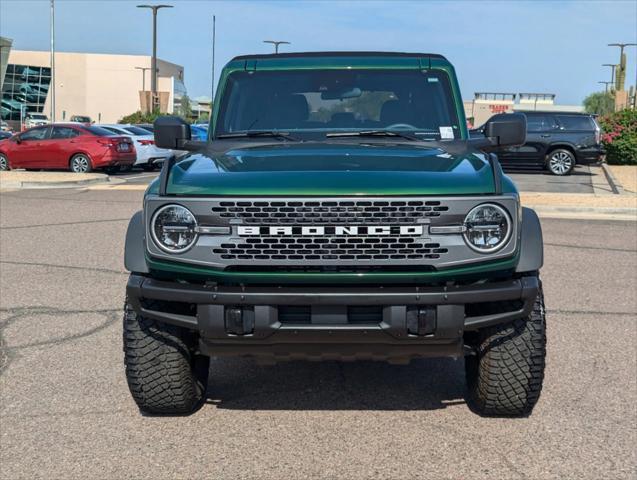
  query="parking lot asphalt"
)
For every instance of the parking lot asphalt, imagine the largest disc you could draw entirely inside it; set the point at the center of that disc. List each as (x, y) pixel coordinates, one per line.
(580, 181)
(65, 411)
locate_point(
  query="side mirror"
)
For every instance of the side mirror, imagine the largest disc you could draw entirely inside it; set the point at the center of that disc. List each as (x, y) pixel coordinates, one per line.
(506, 129)
(171, 132)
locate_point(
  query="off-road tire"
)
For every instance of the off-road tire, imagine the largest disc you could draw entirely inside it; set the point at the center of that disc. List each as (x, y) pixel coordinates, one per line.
(164, 375)
(504, 377)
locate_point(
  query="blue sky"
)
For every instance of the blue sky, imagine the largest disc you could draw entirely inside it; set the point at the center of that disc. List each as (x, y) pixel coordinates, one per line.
(511, 46)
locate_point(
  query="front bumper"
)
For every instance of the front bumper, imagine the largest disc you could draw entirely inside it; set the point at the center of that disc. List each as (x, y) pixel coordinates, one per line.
(413, 321)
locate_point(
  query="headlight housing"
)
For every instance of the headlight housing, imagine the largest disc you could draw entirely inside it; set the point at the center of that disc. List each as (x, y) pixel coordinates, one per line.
(487, 228)
(174, 228)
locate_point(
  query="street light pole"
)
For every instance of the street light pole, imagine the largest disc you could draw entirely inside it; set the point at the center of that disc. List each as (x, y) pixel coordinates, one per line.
(153, 65)
(612, 71)
(606, 84)
(214, 24)
(52, 86)
(143, 69)
(276, 44)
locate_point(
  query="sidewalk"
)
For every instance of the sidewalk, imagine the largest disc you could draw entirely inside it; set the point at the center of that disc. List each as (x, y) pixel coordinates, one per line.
(582, 205)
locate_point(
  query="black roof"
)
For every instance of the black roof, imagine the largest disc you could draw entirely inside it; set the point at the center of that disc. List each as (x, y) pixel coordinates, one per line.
(552, 112)
(335, 54)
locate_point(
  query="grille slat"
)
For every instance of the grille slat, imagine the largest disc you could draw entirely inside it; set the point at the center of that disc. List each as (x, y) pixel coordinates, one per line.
(326, 212)
(327, 248)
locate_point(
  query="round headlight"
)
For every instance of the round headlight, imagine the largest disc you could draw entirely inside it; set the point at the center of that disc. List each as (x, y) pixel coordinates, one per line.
(487, 228)
(174, 228)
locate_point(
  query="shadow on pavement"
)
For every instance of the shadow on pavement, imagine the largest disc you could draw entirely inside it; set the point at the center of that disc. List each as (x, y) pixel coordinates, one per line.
(427, 384)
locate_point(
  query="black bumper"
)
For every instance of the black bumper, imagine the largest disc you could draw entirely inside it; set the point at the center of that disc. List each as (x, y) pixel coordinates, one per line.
(412, 322)
(590, 155)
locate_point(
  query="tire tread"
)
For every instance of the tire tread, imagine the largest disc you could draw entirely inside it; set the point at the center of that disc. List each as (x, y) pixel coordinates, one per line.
(506, 375)
(159, 366)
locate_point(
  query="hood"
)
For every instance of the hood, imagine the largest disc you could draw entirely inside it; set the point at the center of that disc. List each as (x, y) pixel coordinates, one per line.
(330, 169)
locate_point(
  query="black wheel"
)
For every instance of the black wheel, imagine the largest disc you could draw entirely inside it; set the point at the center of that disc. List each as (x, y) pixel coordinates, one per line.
(560, 162)
(148, 167)
(164, 374)
(505, 376)
(80, 163)
(4, 162)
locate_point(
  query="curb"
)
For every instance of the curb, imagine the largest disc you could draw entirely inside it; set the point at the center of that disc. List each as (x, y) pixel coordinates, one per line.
(615, 186)
(62, 184)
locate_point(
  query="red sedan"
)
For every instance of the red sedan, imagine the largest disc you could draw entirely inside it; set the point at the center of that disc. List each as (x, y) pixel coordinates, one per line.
(75, 147)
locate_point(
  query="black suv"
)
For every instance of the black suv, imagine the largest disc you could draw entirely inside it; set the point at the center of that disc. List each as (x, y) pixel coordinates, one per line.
(557, 142)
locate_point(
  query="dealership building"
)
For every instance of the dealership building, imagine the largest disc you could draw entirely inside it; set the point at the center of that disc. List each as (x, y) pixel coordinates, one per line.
(104, 87)
(486, 104)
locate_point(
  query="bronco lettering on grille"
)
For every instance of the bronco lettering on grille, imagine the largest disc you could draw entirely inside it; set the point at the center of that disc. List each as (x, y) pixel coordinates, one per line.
(337, 230)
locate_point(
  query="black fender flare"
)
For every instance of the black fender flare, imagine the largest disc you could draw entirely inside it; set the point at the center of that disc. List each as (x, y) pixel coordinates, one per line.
(134, 248)
(531, 243)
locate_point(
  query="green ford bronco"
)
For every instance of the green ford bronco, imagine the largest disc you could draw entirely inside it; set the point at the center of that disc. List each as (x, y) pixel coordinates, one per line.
(338, 211)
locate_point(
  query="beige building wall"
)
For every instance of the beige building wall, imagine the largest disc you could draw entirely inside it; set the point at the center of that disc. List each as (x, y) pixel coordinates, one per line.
(105, 87)
(483, 110)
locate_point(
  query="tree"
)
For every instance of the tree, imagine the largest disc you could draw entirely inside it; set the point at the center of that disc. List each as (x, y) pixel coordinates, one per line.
(600, 103)
(185, 109)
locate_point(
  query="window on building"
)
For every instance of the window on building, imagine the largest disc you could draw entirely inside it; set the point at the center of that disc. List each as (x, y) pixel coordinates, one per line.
(24, 91)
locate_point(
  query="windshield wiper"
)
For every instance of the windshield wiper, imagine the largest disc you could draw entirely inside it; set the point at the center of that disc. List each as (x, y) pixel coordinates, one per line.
(373, 133)
(260, 133)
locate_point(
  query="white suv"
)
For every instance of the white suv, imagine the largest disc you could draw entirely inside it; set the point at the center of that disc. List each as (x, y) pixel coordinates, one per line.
(148, 155)
(36, 119)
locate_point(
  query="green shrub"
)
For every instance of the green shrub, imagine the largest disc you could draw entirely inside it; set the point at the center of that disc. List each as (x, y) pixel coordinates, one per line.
(619, 136)
(149, 117)
(139, 117)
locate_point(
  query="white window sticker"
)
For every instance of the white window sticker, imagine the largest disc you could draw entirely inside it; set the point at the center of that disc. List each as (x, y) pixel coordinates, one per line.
(446, 133)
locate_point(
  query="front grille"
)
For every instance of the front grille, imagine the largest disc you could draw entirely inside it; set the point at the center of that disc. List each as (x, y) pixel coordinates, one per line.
(329, 212)
(353, 234)
(330, 248)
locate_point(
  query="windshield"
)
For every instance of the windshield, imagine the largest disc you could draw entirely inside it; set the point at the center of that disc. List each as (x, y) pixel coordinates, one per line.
(100, 132)
(137, 131)
(340, 101)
